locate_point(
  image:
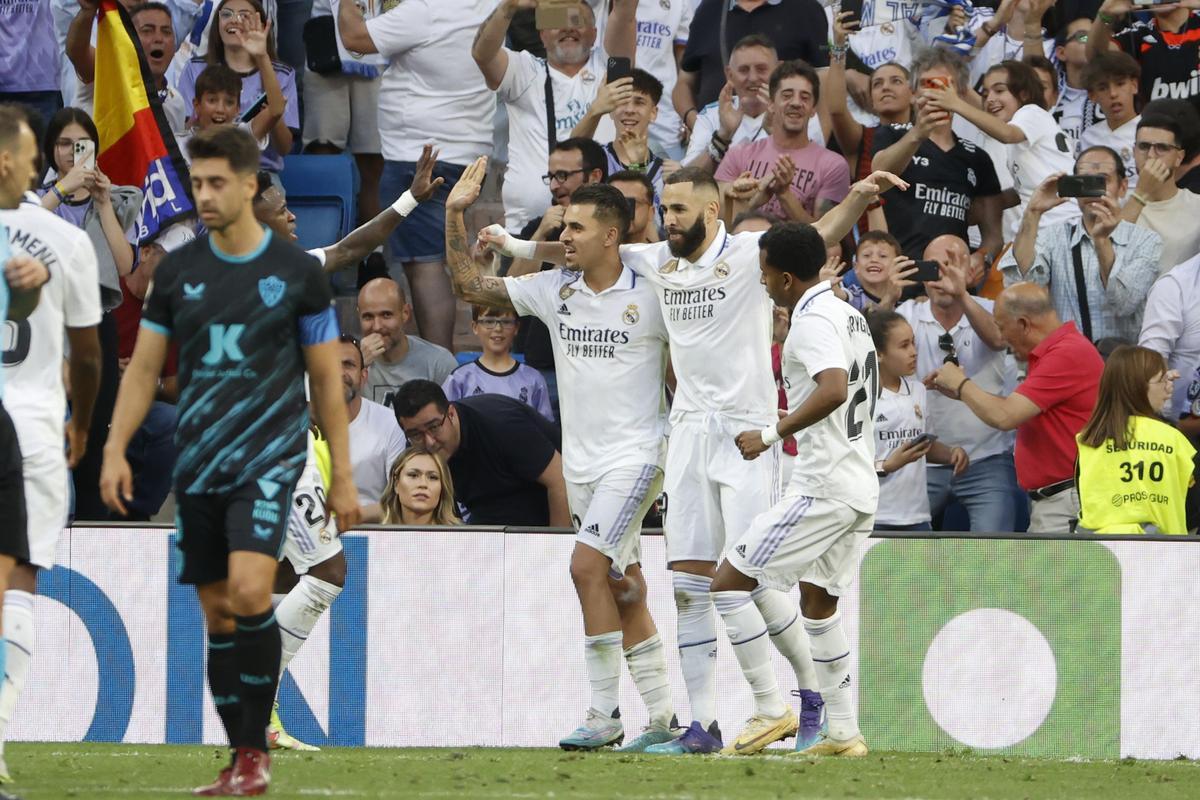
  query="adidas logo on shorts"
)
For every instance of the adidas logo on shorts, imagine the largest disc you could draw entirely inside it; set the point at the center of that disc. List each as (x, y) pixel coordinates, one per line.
(593, 529)
(741, 550)
(845, 682)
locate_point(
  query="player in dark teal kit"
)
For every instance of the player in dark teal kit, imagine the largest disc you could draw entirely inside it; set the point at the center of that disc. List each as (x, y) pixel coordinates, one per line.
(251, 314)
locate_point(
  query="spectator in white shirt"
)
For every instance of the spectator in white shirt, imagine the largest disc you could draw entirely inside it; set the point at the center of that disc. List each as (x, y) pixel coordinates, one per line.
(430, 92)
(739, 114)
(573, 72)
(952, 325)
(1159, 204)
(375, 437)
(1171, 327)
(1112, 83)
(662, 34)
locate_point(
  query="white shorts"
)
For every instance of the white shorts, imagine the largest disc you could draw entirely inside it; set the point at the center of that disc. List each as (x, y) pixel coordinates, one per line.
(712, 493)
(608, 512)
(342, 110)
(46, 500)
(802, 538)
(311, 533)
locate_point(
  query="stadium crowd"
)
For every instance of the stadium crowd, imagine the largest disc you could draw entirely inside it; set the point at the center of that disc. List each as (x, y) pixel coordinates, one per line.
(1043, 220)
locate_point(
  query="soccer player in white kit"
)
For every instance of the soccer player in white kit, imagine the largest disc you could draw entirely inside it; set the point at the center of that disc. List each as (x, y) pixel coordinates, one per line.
(610, 352)
(719, 323)
(36, 399)
(812, 536)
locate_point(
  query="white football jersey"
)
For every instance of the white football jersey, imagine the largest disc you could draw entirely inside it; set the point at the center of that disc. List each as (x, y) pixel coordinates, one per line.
(1045, 151)
(610, 355)
(33, 348)
(835, 455)
(718, 317)
(900, 418)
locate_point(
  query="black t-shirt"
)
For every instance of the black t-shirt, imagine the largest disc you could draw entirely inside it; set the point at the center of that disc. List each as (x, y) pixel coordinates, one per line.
(505, 447)
(533, 337)
(240, 324)
(797, 27)
(1169, 60)
(942, 185)
(1190, 180)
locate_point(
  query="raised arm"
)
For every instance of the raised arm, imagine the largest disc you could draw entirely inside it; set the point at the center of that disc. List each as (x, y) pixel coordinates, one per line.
(79, 41)
(950, 100)
(1100, 36)
(846, 129)
(896, 157)
(620, 35)
(1044, 198)
(361, 241)
(252, 35)
(352, 26)
(469, 283)
(488, 47)
(838, 221)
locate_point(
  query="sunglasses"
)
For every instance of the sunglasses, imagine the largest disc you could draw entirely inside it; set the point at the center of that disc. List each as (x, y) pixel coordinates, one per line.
(946, 343)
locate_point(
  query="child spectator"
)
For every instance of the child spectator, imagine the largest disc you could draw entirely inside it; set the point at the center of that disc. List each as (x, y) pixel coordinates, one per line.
(1112, 83)
(880, 272)
(218, 102)
(496, 371)
(901, 448)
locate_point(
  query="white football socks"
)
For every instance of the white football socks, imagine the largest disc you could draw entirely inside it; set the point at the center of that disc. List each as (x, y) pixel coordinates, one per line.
(748, 635)
(18, 643)
(648, 665)
(831, 653)
(696, 628)
(787, 633)
(603, 656)
(297, 614)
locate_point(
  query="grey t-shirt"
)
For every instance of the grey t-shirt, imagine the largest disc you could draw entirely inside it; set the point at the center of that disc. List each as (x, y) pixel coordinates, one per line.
(424, 360)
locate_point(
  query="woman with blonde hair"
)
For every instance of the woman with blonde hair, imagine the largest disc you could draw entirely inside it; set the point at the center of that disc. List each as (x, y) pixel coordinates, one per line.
(1134, 469)
(419, 491)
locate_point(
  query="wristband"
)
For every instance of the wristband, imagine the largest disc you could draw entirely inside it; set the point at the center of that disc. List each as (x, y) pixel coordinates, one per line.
(405, 205)
(770, 435)
(958, 391)
(1139, 198)
(510, 245)
(62, 198)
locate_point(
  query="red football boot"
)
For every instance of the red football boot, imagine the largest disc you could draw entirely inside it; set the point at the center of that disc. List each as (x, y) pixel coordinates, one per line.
(251, 773)
(219, 787)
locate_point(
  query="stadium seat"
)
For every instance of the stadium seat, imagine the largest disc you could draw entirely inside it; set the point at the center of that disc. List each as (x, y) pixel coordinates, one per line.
(322, 192)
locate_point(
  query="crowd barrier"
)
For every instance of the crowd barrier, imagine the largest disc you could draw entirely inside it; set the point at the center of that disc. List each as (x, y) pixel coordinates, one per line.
(1041, 646)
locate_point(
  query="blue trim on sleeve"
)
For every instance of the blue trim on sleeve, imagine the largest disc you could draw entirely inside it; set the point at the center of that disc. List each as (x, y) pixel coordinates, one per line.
(154, 326)
(258, 251)
(319, 328)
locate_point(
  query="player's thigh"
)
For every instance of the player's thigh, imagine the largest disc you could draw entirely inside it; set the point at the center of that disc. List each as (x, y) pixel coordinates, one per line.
(612, 520)
(692, 521)
(327, 109)
(364, 115)
(305, 547)
(748, 488)
(835, 569)
(256, 517)
(46, 500)
(201, 546)
(13, 521)
(782, 543)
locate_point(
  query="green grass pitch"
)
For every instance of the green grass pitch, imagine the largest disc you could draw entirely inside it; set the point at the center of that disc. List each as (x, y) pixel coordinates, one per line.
(54, 771)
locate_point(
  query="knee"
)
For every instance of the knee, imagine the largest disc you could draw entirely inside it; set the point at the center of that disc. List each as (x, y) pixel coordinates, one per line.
(817, 604)
(246, 599)
(332, 571)
(587, 573)
(218, 616)
(628, 594)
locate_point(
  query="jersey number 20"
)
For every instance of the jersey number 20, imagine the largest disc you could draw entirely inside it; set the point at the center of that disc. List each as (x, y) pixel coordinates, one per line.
(867, 393)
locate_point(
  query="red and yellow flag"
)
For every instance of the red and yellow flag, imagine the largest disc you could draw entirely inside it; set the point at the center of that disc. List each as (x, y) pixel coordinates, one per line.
(136, 145)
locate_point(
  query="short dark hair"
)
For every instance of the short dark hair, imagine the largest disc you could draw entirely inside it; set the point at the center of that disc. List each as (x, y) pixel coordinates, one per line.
(880, 321)
(232, 144)
(1109, 65)
(414, 395)
(633, 176)
(1185, 115)
(346, 338)
(478, 311)
(647, 84)
(1039, 61)
(1064, 30)
(694, 175)
(754, 40)
(151, 6)
(609, 204)
(589, 151)
(796, 68)
(1162, 122)
(882, 237)
(61, 119)
(794, 247)
(750, 216)
(218, 79)
(12, 117)
(1103, 148)
(264, 185)
(1023, 82)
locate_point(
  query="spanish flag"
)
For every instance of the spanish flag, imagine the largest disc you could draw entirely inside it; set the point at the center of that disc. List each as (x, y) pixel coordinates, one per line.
(136, 145)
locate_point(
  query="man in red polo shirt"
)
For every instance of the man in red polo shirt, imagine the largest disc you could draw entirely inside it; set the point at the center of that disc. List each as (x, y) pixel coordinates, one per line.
(1047, 410)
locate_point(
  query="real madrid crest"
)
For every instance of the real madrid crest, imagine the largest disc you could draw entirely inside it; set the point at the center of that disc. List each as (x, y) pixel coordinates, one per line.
(888, 28)
(565, 292)
(588, 77)
(917, 411)
(670, 266)
(631, 315)
(721, 270)
(665, 4)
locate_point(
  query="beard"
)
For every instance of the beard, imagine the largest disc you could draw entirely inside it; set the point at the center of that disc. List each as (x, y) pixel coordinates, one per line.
(349, 392)
(691, 239)
(569, 54)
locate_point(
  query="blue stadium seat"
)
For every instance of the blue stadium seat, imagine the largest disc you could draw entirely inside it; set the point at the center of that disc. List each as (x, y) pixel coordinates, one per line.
(322, 192)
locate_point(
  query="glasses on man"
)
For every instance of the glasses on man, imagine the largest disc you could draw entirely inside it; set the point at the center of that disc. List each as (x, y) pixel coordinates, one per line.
(946, 343)
(496, 322)
(417, 435)
(1158, 148)
(561, 176)
(1078, 36)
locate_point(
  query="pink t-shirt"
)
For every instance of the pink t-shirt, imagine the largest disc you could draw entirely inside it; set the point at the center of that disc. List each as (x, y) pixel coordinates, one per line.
(820, 174)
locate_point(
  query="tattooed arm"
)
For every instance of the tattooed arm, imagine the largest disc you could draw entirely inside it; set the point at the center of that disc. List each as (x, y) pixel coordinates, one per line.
(469, 284)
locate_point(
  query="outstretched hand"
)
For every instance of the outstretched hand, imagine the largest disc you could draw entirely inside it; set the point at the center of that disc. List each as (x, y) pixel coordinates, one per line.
(466, 190)
(424, 184)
